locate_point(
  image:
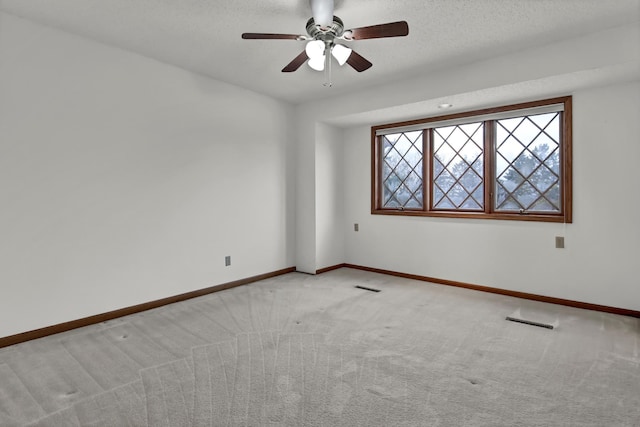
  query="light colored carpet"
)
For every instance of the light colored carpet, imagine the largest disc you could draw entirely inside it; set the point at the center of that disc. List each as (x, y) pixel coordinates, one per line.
(301, 350)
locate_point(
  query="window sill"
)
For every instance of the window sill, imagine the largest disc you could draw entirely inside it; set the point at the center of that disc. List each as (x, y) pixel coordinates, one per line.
(474, 215)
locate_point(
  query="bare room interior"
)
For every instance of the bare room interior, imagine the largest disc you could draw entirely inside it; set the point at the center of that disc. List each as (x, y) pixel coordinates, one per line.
(199, 224)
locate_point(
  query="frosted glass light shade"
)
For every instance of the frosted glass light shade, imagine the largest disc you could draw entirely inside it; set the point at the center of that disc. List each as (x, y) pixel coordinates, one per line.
(341, 53)
(314, 49)
(317, 63)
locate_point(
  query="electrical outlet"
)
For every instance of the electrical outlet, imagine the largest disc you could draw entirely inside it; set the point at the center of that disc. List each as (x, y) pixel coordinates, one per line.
(227, 261)
(560, 242)
(356, 227)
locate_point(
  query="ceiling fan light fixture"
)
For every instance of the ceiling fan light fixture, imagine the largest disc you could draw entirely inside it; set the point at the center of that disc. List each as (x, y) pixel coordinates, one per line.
(314, 49)
(317, 63)
(341, 53)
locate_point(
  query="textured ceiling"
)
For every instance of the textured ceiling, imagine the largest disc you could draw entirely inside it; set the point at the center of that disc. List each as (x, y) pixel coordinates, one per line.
(204, 35)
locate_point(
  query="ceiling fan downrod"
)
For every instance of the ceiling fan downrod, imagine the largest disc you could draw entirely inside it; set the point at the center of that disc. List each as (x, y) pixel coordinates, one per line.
(322, 11)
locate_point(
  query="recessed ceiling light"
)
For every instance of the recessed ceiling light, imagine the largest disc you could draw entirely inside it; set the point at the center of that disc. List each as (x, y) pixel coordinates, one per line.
(445, 105)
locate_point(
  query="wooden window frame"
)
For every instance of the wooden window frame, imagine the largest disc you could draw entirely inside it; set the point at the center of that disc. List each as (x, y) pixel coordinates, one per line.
(566, 192)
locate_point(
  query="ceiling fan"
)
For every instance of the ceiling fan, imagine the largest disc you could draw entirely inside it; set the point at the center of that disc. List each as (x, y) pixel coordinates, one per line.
(323, 31)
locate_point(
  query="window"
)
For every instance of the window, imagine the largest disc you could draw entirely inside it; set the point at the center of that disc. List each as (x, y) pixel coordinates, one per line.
(510, 162)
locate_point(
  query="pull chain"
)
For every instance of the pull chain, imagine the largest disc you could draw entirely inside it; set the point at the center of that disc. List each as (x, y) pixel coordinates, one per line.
(327, 66)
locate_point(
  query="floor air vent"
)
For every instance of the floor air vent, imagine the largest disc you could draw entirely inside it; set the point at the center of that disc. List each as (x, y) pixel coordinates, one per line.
(530, 322)
(367, 289)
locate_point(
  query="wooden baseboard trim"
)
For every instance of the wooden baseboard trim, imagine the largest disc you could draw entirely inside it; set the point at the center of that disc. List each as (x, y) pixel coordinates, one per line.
(523, 295)
(331, 268)
(91, 320)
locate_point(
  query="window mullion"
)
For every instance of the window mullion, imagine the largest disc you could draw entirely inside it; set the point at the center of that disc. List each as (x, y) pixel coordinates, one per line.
(427, 165)
(489, 160)
(378, 167)
(566, 161)
(562, 152)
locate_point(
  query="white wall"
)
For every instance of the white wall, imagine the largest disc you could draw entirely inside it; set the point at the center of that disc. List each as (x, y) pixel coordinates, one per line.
(305, 218)
(601, 244)
(557, 69)
(330, 209)
(599, 263)
(124, 180)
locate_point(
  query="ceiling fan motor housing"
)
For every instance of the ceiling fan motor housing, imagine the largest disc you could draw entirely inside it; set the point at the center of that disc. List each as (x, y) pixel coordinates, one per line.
(326, 34)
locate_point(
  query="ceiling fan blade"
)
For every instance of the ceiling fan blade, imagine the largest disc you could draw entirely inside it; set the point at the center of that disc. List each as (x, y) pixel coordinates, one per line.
(296, 63)
(267, 36)
(322, 11)
(392, 29)
(358, 62)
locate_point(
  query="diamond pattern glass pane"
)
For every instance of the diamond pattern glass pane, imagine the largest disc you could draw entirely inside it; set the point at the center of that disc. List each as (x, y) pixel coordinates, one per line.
(445, 181)
(437, 167)
(470, 204)
(437, 195)
(526, 195)
(470, 179)
(478, 194)
(542, 179)
(413, 182)
(458, 170)
(543, 205)
(478, 165)
(444, 153)
(402, 170)
(527, 166)
(510, 149)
